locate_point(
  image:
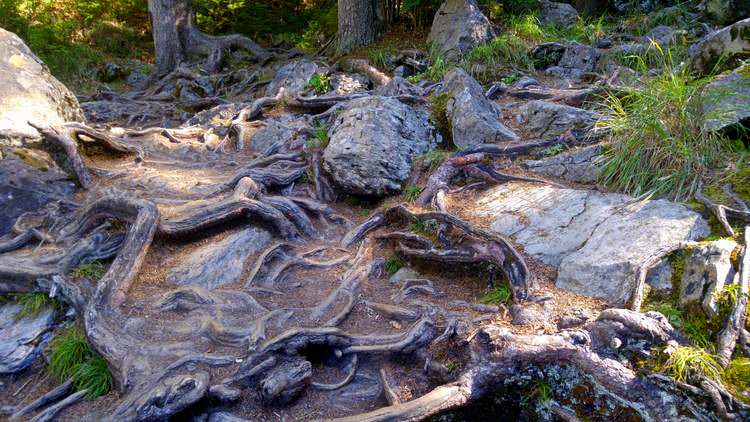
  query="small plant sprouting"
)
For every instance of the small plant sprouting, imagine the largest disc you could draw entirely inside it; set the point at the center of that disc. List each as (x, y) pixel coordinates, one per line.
(500, 294)
(434, 158)
(452, 365)
(553, 150)
(93, 271)
(392, 265)
(72, 358)
(411, 193)
(687, 361)
(540, 391)
(319, 138)
(320, 83)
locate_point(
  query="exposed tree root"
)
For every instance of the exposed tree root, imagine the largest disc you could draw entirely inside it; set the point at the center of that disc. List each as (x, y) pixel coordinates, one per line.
(735, 322)
(722, 212)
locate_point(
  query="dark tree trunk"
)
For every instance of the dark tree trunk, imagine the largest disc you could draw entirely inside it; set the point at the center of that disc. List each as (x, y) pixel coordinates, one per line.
(177, 39)
(357, 24)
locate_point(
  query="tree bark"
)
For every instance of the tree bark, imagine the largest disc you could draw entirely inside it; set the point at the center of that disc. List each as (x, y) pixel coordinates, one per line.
(356, 24)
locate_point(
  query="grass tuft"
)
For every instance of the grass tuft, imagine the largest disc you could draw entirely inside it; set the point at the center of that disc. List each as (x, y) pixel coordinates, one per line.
(32, 304)
(71, 357)
(500, 294)
(505, 50)
(689, 361)
(93, 271)
(411, 193)
(660, 145)
(392, 265)
(434, 158)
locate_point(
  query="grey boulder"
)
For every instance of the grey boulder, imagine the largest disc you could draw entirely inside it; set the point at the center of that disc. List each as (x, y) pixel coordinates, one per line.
(597, 241)
(546, 119)
(28, 92)
(23, 338)
(707, 270)
(458, 27)
(474, 119)
(276, 133)
(293, 77)
(220, 263)
(726, 101)
(577, 60)
(373, 143)
(579, 165)
(558, 14)
(729, 43)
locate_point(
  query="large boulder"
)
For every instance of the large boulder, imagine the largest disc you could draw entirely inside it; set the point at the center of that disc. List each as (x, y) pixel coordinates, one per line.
(293, 77)
(474, 119)
(597, 241)
(727, 11)
(577, 60)
(730, 44)
(373, 143)
(23, 338)
(28, 92)
(726, 102)
(546, 119)
(458, 27)
(558, 14)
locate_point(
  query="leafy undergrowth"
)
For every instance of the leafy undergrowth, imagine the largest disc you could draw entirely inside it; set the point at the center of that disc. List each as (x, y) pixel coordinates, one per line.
(71, 357)
(660, 143)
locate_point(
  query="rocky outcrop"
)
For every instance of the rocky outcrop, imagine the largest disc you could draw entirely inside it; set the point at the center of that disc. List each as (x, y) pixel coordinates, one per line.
(276, 133)
(293, 77)
(597, 241)
(458, 27)
(580, 165)
(473, 118)
(577, 60)
(706, 271)
(729, 44)
(727, 11)
(23, 338)
(219, 263)
(373, 143)
(28, 92)
(545, 119)
(726, 101)
(558, 14)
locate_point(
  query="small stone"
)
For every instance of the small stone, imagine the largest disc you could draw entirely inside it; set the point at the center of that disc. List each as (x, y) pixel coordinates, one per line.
(615, 343)
(224, 393)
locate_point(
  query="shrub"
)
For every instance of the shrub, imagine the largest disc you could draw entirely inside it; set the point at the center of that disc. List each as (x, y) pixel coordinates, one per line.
(660, 145)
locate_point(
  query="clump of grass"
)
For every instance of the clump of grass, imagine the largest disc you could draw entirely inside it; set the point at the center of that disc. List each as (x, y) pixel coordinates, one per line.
(320, 83)
(688, 361)
(93, 271)
(392, 265)
(500, 294)
(438, 67)
(660, 143)
(411, 193)
(505, 50)
(32, 304)
(71, 357)
(434, 158)
(378, 57)
(319, 138)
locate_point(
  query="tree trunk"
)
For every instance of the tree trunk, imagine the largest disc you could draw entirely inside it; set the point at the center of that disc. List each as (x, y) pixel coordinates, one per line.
(356, 24)
(172, 27)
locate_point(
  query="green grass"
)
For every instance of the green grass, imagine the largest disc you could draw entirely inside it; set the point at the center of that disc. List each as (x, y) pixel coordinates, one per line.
(392, 265)
(660, 145)
(506, 50)
(695, 327)
(687, 361)
(438, 67)
(434, 158)
(553, 150)
(500, 294)
(32, 304)
(378, 57)
(71, 357)
(319, 138)
(320, 83)
(411, 193)
(93, 271)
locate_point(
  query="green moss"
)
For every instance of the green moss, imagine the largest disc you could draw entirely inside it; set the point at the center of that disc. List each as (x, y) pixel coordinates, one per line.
(93, 271)
(439, 115)
(435, 158)
(319, 138)
(737, 378)
(31, 158)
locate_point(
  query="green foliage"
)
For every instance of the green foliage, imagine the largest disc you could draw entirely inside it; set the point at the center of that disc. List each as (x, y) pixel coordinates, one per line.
(320, 83)
(500, 294)
(93, 271)
(737, 378)
(392, 265)
(434, 158)
(32, 304)
(378, 57)
(527, 27)
(553, 150)
(438, 67)
(695, 327)
(660, 143)
(505, 50)
(320, 138)
(540, 391)
(688, 361)
(71, 357)
(411, 193)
